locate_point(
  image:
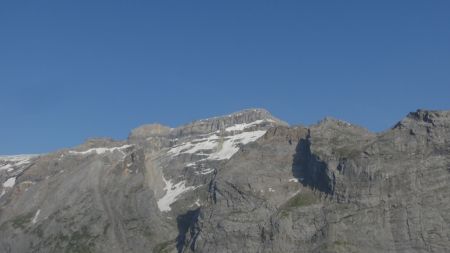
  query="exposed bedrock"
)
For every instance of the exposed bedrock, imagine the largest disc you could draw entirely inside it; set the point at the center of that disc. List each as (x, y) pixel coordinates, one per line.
(245, 182)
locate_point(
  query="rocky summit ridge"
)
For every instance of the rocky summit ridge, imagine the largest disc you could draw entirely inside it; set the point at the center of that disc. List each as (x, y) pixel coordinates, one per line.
(244, 182)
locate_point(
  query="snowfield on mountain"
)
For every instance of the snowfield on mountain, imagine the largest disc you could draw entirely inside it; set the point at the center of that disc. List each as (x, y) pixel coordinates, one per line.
(244, 182)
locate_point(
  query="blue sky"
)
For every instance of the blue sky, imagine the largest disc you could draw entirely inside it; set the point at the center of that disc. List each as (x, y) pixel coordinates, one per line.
(70, 70)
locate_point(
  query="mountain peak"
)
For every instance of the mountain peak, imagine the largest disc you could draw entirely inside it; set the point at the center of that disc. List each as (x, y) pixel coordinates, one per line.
(149, 130)
(244, 116)
(422, 117)
(169, 189)
(252, 116)
(219, 123)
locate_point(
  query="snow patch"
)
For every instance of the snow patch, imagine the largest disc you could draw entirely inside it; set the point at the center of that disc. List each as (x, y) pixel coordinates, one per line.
(7, 167)
(36, 216)
(241, 127)
(17, 158)
(195, 146)
(222, 147)
(10, 162)
(295, 180)
(100, 151)
(230, 146)
(204, 172)
(271, 190)
(10, 182)
(173, 191)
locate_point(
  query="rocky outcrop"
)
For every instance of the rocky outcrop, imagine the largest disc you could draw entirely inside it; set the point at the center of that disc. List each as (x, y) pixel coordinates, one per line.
(245, 182)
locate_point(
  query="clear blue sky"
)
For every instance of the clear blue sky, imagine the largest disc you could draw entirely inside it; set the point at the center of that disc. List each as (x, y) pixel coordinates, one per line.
(70, 70)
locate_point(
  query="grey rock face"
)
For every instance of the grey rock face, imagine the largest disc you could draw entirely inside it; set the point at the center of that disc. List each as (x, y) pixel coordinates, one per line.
(148, 131)
(245, 182)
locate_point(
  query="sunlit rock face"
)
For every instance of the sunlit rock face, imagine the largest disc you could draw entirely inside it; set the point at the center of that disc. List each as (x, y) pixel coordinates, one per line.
(244, 182)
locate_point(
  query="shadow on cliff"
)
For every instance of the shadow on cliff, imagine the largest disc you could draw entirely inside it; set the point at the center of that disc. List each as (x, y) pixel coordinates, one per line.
(186, 224)
(309, 169)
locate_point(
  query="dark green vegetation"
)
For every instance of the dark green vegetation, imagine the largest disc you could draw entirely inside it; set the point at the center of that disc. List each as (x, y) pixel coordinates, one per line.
(300, 200)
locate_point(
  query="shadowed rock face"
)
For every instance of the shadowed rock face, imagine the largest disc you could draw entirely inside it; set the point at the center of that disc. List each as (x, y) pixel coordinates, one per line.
(245, 182)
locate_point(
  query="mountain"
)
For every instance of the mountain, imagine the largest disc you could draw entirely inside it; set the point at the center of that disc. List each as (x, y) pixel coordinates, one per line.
(244, 182)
